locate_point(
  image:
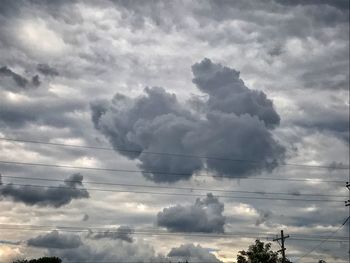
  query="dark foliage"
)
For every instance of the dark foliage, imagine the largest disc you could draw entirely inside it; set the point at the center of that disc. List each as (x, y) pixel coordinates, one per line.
(259, 252)
(40, 260)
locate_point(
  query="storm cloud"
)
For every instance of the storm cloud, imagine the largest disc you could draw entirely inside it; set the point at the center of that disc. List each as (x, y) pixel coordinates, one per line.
(54, 196)
(122, 233)
(158, 122)
(205, 215)
(56, 240)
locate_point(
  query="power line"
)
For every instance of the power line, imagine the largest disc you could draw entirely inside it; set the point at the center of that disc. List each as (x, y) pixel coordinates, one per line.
(168, 173)
(179, 194)
(168, 187)
(323, 241)
(94, 230)
(116, 230)
(319, 239)
(121, 149)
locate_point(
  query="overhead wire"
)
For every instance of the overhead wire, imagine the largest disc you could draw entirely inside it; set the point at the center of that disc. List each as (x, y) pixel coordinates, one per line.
(323, 241)
(123, 149)
(185, 174)
(168, 187)
(95, 230)
(167, 173)
(179, 194)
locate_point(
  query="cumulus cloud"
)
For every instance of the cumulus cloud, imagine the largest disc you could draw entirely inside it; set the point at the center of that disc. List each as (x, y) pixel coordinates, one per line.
(158, 122)
(10, 80)
(54, 196)
(139, 251)
(205, 215)
(280, 48)
(119, 251)
(56, 240)
(193, 253)
(122, 233)
(227, 93)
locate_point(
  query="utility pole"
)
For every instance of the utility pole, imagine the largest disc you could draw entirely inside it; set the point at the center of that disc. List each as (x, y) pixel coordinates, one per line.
(283, 249)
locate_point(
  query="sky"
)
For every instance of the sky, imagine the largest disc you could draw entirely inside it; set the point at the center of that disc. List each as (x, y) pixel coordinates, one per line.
(194, 124)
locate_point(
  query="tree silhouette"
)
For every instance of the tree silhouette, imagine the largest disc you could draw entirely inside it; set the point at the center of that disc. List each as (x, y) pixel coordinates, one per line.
(40, 260)
(259, 252)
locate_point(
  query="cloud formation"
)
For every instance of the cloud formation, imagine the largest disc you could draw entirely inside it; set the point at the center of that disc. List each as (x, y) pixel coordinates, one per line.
(292, 50)
(158, 122)
(193, 253)
(119, 251)
(54, 196)
(263, 217)
(227, 93)
(205, 215)
(8, 242)
(131, 252)
(47, 70)
(122, 233)
(55, 240)
(340, 4)
(12, 81)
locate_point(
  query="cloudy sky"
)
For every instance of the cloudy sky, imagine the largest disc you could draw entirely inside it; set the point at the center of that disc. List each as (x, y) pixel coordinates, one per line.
(197, 122)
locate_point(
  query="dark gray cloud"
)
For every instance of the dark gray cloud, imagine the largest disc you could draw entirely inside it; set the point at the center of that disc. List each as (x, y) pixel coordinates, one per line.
(227, 93)
(132, 252)
(43, 109)
(56, 240)
(10, 80)
(9, 7)
(205, 215)
(119, 251)
(263, 217)
(331, 118)
(122, 233)
(8, 242)
(85, 217)
(288, 49)
(332, 77)
(193, 253)
(341, 4)
(157, 122)
(36, 81)
(54, 196)
(47, 70)
(20, 81)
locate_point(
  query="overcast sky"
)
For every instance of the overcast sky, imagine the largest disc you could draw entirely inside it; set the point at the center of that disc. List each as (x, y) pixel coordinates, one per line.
(265, 83)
